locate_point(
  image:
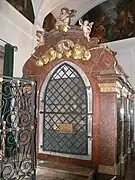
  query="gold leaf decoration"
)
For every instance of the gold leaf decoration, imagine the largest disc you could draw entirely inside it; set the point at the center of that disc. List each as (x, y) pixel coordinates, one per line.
(68, 53)
(86, 55)
(59, 55)
(39, 63)
(65, 48)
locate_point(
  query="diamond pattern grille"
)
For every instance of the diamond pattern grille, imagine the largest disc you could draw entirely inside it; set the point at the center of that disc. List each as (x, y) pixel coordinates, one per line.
(65, 103)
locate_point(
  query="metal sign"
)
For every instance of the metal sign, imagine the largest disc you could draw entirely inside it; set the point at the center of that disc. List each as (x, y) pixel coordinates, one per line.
(65, 128)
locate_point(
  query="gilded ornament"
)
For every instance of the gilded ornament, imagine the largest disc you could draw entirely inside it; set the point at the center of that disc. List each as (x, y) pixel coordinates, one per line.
(46, 59)
(77, 52)
(77, 46)
(108, 87)
(83, 48)
(51, 51)
(68, 53)
(64, 45)
(60, 48)
(64, 29)
(39, 63)
(59, 55)
(53, 57)
(52, 54)
(70, 43)
(86, 55)
(64, 48)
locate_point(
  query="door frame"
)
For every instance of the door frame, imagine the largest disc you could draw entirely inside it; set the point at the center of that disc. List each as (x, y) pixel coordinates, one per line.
(89, 106)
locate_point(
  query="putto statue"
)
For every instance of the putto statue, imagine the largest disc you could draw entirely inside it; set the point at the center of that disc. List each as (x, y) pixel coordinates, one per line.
(87, 27)
(63, 21)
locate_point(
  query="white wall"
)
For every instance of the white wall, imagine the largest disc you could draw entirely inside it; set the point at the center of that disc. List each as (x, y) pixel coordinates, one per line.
(18, 31)
(125, 56)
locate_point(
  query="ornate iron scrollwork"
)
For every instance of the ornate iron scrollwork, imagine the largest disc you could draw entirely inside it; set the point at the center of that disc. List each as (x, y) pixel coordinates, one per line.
(17, 129)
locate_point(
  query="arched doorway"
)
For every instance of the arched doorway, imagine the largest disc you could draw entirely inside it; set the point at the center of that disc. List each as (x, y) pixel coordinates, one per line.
(67, 112)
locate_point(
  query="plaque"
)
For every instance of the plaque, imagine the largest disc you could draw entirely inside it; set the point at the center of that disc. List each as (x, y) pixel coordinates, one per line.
(65, 128)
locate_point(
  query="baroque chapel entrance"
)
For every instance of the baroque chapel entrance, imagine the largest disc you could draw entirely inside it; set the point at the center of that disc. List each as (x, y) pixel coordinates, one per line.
(66, 115)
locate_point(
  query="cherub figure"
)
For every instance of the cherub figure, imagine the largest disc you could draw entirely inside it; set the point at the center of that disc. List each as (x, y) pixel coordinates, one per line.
(40, 37)
(87, 27)
(65, 17)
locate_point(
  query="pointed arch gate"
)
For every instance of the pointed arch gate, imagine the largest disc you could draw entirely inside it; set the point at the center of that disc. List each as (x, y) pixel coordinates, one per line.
(17, 129)
(65, 124)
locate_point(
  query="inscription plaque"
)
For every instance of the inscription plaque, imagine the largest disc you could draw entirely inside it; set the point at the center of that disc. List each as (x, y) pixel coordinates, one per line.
(65, 128)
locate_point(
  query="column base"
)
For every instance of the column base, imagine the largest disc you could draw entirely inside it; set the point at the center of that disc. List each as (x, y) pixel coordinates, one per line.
(110, 170)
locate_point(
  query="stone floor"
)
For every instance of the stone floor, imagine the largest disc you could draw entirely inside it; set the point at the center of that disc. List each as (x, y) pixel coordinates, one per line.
(58, 171)
(131, 172)
(79, 173)
(129, 176)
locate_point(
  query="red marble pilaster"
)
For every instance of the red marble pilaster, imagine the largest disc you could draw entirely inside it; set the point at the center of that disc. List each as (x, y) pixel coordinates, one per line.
(108, 129)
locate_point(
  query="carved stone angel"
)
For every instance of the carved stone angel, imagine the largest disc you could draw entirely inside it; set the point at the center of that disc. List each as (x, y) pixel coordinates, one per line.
(65, 18)
(87, 27)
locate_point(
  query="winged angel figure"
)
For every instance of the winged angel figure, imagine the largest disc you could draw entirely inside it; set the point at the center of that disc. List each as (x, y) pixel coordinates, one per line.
(65, 18)
(87, 27)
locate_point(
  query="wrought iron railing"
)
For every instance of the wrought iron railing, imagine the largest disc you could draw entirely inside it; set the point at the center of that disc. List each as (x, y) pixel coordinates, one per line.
(17, 128)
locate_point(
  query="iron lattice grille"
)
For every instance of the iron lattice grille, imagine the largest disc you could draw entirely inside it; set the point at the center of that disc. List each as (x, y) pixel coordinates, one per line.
(65, 103)
(17, 129)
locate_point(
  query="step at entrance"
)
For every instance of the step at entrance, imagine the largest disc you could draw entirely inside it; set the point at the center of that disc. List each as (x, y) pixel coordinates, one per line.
(58, 171)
